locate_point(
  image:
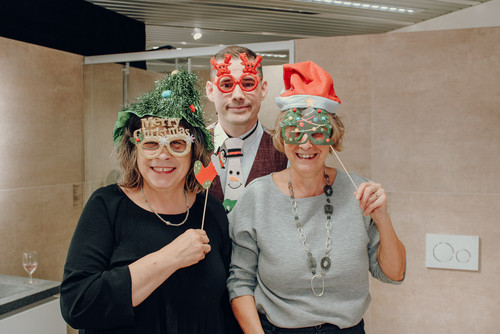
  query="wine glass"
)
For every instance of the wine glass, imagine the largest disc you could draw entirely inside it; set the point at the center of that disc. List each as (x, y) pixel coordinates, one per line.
(30, 263)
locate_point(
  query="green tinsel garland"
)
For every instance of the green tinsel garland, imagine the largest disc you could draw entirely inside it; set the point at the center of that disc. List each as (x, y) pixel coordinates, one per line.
(176, 96)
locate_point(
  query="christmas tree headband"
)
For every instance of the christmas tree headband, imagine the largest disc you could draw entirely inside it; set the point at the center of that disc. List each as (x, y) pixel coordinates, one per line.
(175, 97)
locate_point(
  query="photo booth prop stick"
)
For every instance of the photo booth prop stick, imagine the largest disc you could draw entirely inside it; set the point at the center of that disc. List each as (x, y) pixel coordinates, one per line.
(345, 169)
(205, 176)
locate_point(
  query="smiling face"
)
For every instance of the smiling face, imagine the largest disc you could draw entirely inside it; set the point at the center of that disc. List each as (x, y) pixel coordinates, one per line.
(238, 108)
(306, 137)
(235, 180)
(165, 171)
(164, 160)
(307, 158)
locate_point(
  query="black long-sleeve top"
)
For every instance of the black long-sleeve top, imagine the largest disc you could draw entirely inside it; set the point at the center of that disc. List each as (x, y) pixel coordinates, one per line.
(96, 291)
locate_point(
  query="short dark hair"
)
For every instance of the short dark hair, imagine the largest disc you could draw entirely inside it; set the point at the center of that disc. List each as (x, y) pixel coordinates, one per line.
(235, 52)
(126, 154)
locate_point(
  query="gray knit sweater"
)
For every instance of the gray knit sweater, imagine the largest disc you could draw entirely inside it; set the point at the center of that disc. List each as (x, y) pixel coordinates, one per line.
(269, 262)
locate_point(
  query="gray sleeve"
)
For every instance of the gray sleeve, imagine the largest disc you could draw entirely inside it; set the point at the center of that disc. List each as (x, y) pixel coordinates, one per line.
(243, 271)
(373, 245)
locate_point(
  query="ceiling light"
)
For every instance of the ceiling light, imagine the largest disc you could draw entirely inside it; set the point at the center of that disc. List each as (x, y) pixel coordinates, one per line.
(274, 55)
(196, 34)
(365, 5)
(164, 47)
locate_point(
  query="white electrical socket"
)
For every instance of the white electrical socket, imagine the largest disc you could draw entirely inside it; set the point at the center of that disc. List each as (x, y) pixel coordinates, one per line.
(448, 251)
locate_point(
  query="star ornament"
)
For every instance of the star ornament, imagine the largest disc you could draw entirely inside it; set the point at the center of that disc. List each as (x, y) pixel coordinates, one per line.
(164, 140)
(310, 101)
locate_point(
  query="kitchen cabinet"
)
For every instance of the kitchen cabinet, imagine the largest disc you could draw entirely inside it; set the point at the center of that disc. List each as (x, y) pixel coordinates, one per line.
(28, 309)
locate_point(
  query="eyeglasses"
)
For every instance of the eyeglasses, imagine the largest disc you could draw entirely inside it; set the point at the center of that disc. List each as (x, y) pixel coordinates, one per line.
(227, 83)
(176, 145)
(293, 136)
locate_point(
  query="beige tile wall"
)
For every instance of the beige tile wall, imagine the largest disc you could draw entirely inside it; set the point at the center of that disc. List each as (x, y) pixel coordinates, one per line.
(422, 118)
(103, 95)
(41, 168)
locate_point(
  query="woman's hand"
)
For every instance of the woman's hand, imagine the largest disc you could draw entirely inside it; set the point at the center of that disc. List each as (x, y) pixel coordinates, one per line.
(245, 312)
(191, 247)
(372, 200)
(391, 252)
(150, 271)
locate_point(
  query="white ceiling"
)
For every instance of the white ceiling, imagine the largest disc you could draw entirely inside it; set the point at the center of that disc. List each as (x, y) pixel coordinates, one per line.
(171, 23)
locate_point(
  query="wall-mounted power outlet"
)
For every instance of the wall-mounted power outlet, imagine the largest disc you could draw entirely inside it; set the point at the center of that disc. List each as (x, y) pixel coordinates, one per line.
(448, 251)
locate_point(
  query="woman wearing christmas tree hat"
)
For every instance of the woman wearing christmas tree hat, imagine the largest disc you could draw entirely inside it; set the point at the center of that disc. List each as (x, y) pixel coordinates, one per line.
(140, 260)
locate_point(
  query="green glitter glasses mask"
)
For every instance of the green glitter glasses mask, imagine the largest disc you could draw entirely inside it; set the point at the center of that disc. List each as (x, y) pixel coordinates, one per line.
(297, 127)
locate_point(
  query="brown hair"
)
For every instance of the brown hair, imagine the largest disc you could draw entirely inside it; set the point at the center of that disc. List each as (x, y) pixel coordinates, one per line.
(336, 137)
(126, 154)
(235, 52)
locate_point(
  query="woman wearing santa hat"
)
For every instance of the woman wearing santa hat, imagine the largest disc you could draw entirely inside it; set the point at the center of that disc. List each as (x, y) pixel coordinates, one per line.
(303, 244)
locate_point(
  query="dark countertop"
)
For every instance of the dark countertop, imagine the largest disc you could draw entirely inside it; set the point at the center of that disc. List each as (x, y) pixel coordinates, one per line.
(15, 294)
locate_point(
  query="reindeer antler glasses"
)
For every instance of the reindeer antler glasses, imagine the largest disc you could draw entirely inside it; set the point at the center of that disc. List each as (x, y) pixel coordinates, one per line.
(248, 81)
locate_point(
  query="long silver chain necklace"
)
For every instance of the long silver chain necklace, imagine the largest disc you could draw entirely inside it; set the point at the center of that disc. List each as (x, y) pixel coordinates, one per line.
(163, 220)
(325, 262)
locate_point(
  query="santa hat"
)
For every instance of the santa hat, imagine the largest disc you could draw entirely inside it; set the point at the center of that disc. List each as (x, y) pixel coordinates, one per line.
(307, 84)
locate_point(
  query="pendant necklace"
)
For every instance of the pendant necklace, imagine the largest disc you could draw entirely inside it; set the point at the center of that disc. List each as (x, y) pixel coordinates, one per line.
(163, 220)
(325, 262)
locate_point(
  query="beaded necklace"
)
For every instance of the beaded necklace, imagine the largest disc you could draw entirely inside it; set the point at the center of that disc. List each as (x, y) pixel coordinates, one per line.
(325, 262)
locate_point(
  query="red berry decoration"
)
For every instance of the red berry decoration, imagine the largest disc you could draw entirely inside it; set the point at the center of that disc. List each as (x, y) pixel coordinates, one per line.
(192, 108)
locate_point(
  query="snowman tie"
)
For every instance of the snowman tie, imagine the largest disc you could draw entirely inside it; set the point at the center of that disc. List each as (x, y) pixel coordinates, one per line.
(235, 183)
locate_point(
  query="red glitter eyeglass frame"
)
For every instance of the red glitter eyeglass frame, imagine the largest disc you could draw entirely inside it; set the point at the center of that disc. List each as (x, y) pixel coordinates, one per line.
(238, 82)
(223, 72)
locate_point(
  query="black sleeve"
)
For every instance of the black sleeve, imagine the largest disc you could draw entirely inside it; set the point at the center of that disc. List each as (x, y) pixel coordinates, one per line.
(231, 324)
(93, 295)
